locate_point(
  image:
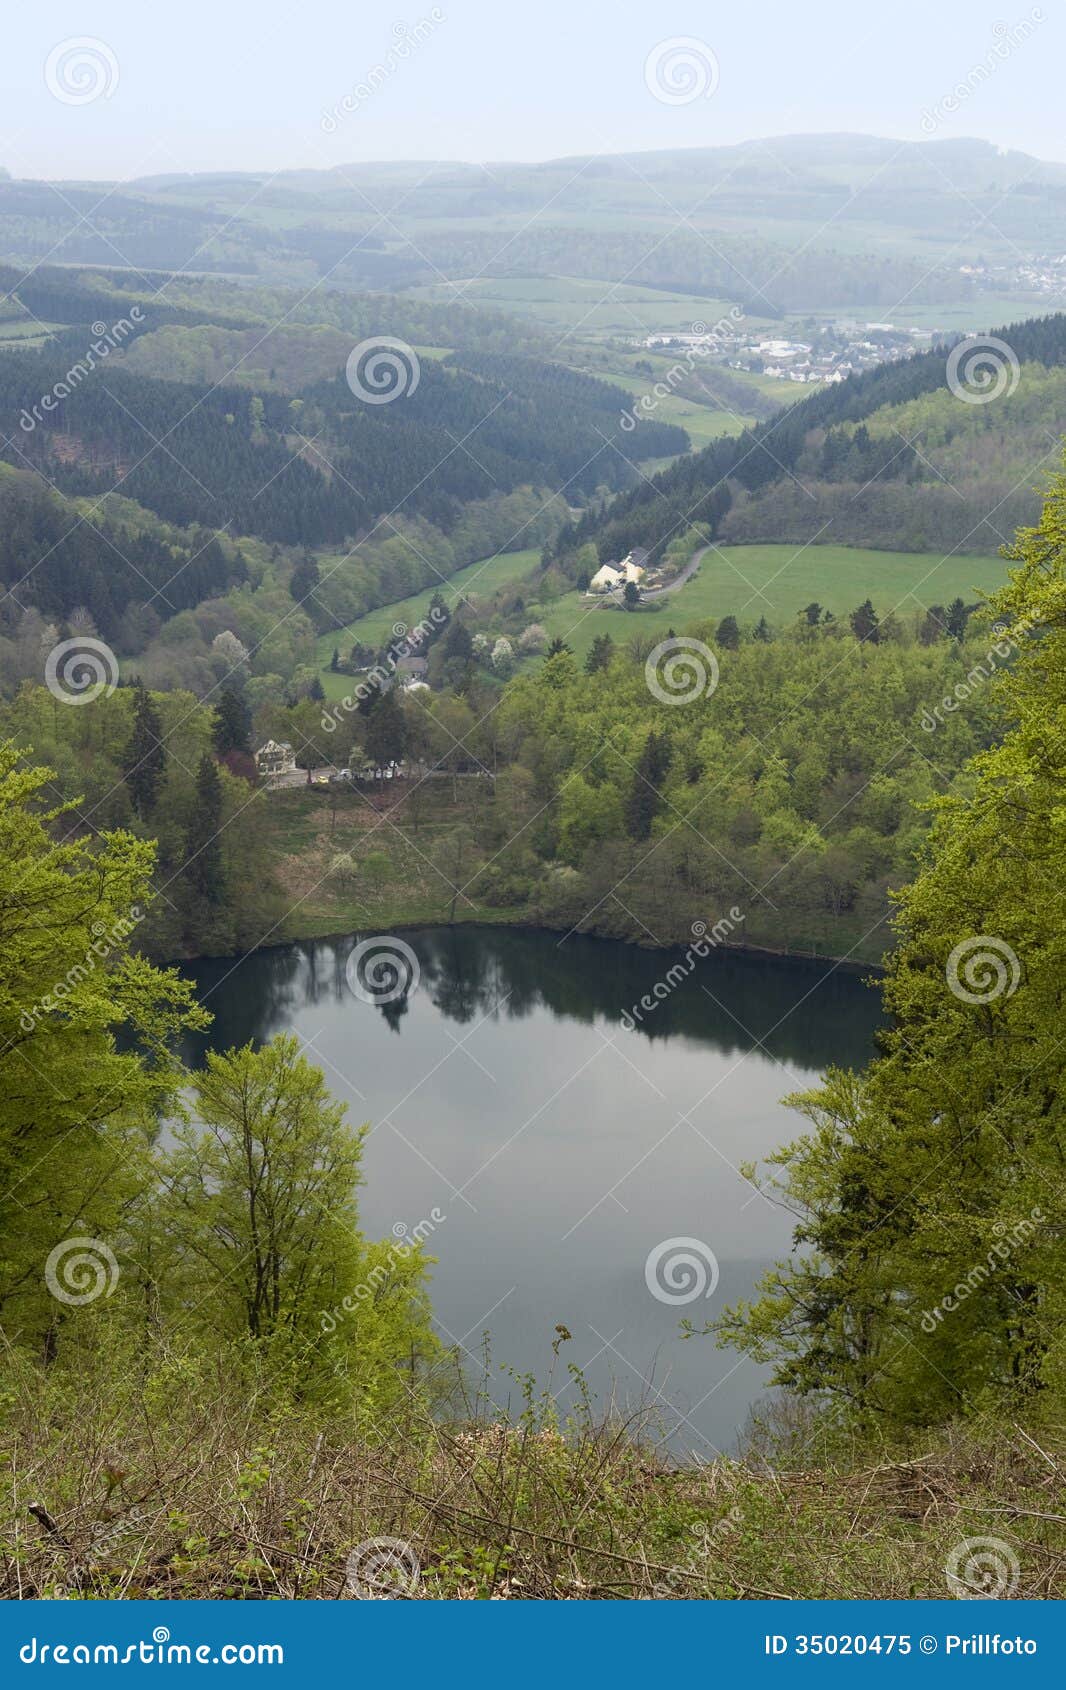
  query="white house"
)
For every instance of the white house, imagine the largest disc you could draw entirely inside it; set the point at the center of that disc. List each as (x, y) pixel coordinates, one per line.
(606, 578)
(275, 759)
(611, 576)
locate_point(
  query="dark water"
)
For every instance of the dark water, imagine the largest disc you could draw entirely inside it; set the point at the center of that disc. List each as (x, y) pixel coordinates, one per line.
(561, 1148)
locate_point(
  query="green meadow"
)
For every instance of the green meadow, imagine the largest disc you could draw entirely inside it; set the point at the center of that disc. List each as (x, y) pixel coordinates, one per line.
(747, 582)
(779, 581)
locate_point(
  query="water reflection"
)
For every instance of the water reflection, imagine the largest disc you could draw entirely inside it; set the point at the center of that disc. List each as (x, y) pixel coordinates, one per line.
(562, 1148)
(807, 1012)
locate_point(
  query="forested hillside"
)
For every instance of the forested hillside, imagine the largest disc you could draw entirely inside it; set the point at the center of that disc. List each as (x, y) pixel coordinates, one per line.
(320, 468)
(890, 459)
(156, 430)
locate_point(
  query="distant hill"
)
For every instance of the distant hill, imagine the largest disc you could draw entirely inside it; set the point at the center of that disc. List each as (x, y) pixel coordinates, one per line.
(789, 223)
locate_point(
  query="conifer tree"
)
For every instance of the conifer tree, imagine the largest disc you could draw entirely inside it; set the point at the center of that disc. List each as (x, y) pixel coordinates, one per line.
(146, 757)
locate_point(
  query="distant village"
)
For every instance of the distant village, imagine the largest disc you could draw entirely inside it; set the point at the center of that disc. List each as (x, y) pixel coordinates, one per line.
(835, 351)
(841, 347)
(1043, 276)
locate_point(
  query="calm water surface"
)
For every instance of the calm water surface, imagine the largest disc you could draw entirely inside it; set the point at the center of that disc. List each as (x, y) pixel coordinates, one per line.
(561, 1148)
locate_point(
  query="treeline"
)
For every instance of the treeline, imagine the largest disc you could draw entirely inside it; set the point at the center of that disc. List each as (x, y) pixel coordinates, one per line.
(421, 322)
(84, 226)
(791, 790)
(53, 295)
(894, 516)
(185, 609)
(927, 1282)
(67, 298)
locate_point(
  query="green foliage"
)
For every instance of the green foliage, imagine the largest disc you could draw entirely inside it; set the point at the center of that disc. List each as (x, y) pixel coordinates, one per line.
(233, 722)
(254, 1240)
(78, 1106)
(212, 874)
(238, 1235)
(928, 1276)
(791, 790)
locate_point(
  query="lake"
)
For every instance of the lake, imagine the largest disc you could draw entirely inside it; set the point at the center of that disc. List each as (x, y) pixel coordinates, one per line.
(586, 1168)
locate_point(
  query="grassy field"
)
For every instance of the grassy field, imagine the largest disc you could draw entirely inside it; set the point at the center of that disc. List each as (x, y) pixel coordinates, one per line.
(742, 581)
(26, 336)
(484, 577)
(778, 581)
(320, 841)
(702, 422)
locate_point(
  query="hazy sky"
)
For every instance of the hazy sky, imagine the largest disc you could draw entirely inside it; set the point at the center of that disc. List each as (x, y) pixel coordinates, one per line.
(210, 86)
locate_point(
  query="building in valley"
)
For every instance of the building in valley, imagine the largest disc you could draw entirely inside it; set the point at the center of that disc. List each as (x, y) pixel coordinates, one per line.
(275, 758)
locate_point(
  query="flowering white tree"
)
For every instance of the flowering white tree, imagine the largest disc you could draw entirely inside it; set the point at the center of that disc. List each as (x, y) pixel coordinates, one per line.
(233, 651)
